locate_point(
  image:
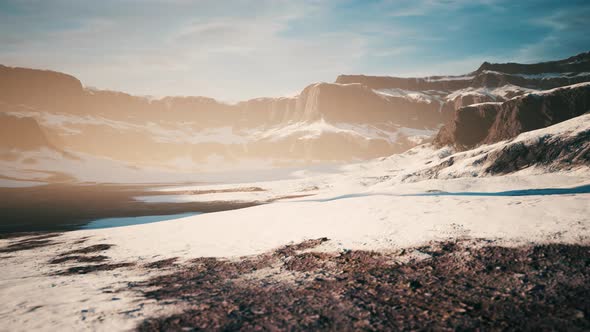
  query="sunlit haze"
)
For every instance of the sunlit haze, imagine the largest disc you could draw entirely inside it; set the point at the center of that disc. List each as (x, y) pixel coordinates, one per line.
(279, 165)
(236, 50)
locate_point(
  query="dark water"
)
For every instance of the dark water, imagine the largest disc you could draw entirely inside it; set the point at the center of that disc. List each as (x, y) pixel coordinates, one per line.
(127, 221)
(585, 189)
(54, 208)
(65, 207)
(524, 192)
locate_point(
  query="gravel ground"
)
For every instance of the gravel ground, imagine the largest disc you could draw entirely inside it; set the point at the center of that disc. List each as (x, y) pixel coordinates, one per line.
(466, 284)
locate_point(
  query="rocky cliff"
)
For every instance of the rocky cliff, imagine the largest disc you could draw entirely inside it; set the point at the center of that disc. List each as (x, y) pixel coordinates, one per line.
(493, 122)
(39, 88)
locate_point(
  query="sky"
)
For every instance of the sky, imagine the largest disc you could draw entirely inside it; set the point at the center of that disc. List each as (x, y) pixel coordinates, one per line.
(240, 49)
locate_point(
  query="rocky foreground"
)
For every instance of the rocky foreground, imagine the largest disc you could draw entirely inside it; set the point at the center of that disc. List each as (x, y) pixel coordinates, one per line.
(448, 285)
(440, 286)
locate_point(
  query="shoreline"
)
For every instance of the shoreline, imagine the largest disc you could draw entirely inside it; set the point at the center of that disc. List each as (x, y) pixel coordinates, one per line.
(323, 255)
(60, 207)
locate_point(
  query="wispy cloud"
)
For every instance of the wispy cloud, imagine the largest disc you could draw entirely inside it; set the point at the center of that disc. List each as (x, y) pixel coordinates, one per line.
(402, 8)
(199, 49)
(567, 33)
(239, 49)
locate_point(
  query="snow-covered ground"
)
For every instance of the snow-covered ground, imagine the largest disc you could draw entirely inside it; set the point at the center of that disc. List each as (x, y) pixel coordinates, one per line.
(542, 76)
(417, 96)
(359, 206)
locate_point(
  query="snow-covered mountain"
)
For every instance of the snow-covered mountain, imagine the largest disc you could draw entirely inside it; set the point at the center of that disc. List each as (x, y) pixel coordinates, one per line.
(355, 118)
(492, 122)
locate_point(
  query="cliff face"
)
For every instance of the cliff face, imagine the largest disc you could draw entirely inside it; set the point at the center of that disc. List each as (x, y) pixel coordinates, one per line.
(537, 111)
(356, 117)
(545, 75)
(39, 88)
(469, 127)
(352, 98)
(266, 111)
(490, 123)
(356, 103)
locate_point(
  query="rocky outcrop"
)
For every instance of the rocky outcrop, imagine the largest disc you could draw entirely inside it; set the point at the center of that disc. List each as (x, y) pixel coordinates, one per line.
(470, 126)
(552, 152)
(494, 122)
(535, 111)
(560, 147)
(357, 103)
(470, 99)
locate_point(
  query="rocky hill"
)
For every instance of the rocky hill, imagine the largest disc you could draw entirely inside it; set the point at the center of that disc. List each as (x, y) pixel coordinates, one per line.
(493, 122)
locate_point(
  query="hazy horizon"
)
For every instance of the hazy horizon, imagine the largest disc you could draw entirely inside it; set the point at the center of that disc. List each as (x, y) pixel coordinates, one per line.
(238, 50)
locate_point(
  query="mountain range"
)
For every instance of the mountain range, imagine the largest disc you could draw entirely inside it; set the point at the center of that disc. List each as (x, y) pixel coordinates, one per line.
(46, 116)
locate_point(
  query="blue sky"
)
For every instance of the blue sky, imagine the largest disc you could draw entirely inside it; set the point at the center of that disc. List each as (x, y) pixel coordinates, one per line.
(240, 49)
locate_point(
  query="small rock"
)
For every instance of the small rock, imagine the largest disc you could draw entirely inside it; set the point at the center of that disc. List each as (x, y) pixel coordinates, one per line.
(414, 284)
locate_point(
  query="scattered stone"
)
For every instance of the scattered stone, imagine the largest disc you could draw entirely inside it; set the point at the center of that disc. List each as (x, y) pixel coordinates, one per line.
(29, 235)
(78, 259)
(88, 250)
(363, 290)
(93, 268)
(162, 263)
(27, 245)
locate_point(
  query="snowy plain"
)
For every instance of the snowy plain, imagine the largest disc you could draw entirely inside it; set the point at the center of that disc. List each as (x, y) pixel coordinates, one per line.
(358, 206)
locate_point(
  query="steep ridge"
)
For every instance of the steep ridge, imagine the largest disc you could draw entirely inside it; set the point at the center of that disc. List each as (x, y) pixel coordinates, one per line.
(493, 122)
(545, 75)
(470, 126)
(489, 83)
(539, 110)
(562, 146)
